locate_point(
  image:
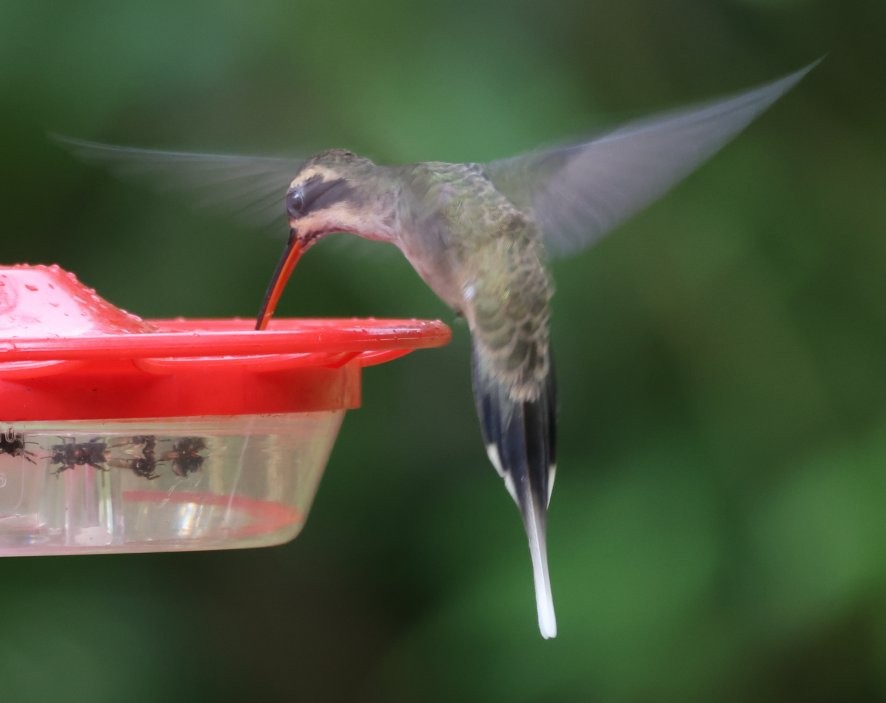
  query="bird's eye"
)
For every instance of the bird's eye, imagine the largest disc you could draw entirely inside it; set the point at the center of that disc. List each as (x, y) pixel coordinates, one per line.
(295, 203)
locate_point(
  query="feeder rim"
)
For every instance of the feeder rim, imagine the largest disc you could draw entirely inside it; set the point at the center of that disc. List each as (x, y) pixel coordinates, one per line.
(234, 337)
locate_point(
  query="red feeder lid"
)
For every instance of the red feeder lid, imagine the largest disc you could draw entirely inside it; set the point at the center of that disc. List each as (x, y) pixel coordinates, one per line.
(68, 354)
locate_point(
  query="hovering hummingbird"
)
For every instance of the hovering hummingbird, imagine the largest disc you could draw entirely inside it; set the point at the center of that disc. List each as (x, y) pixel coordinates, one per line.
(480, 235)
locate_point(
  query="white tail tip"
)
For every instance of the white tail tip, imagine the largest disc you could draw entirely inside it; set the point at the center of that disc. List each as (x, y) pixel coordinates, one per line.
(544, 598)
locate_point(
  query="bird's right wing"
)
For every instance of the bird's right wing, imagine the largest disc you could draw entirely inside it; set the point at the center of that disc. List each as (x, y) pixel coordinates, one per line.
(579, 193)
(250, 187)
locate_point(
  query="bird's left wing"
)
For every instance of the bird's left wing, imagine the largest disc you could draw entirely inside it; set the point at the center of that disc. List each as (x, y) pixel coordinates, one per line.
(579, 193)
(250, 187)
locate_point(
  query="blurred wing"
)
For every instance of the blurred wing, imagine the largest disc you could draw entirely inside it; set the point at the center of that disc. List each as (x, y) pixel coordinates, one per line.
(252, 188)
(579, 193)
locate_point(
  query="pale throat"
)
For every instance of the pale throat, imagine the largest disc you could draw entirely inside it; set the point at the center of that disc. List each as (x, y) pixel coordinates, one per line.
(353, 219)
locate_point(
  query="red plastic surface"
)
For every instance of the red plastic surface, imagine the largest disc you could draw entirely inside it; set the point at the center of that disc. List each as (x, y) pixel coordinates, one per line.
(66, 353)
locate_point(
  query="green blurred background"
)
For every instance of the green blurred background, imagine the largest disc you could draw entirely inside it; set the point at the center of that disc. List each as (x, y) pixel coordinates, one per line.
(718, 528)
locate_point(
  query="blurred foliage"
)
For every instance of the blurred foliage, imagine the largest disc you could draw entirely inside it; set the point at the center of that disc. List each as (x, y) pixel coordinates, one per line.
(718, 529)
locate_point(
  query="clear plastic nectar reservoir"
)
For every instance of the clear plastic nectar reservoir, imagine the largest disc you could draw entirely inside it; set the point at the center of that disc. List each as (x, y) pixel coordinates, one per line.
(124, 435)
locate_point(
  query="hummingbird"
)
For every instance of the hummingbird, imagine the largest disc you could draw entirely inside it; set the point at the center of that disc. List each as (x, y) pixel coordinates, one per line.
(480, 236)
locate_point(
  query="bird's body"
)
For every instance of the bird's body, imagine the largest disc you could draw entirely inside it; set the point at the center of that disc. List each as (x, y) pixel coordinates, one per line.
(479, 236)
(484, 257)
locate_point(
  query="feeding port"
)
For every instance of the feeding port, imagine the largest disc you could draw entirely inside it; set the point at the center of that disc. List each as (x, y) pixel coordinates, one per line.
(124, 435)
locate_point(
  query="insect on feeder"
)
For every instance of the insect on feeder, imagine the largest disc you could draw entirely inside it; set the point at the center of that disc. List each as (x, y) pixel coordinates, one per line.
(119, 434)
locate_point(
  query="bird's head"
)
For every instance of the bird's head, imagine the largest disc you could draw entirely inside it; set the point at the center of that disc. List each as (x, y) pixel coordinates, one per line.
(328, 194)
(332, 192)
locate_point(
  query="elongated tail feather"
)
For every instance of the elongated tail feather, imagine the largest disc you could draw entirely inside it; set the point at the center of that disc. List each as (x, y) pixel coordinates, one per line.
(520, 438)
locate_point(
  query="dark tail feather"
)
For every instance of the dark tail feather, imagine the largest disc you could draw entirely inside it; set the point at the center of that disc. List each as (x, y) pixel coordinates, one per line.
(520, 438)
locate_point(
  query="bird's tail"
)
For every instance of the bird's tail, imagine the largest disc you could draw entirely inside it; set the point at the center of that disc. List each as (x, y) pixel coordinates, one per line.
(520, 440)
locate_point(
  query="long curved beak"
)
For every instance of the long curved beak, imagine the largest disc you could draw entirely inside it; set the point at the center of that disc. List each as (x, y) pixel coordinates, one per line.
(291, 254)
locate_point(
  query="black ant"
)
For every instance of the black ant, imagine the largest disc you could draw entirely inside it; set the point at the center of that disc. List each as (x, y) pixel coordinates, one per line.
(70, 455)
(145, 465)
(13, 443)
(185, 456)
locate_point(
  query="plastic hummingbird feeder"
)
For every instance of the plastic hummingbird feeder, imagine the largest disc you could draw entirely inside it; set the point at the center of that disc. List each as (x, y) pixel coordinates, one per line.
(119, 434)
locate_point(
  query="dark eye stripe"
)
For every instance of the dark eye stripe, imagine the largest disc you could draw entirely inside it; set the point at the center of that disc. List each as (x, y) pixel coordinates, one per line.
(319, 194)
